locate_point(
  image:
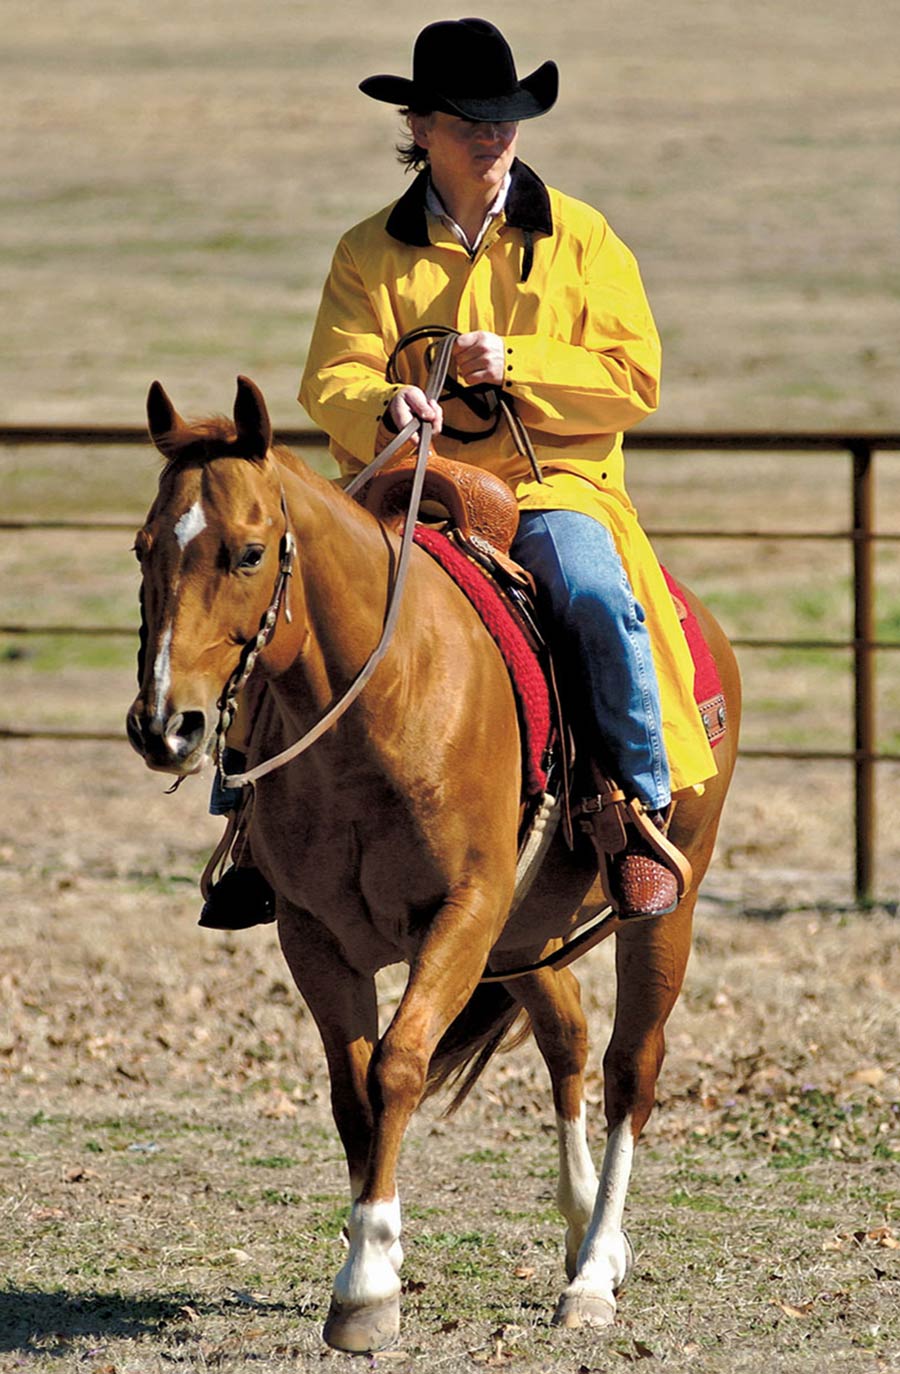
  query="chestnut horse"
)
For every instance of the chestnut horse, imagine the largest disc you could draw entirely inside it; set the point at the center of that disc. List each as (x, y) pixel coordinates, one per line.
(394, 837)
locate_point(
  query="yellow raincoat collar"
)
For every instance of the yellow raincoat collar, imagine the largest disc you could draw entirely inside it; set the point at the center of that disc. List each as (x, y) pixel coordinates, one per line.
(527, 208)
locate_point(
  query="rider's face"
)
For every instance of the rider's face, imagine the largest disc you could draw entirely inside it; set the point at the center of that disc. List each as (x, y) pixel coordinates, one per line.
(464, 154)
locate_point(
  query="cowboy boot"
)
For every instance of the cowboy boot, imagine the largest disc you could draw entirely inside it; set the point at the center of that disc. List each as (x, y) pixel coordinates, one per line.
(240, 899)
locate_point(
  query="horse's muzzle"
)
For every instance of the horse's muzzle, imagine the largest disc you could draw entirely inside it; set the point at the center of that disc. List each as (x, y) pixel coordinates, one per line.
(174, 745)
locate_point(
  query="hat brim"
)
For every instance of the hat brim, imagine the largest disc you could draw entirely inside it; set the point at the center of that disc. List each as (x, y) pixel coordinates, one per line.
(534, 95)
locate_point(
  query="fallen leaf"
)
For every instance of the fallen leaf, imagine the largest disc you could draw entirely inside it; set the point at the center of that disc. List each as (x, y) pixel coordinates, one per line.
(523, 1272)
(882, 1236)
(792, 1310)
(80, 1175)
(279, 1106)
(870, 1075)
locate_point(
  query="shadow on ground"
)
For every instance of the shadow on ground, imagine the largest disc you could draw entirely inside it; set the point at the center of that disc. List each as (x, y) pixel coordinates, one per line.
(32, 1321)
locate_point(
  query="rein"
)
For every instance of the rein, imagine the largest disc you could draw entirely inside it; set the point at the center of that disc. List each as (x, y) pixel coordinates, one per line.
(436, 378)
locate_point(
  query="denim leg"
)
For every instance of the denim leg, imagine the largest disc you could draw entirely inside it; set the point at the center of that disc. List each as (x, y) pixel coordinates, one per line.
(223, 800)
(599, 630)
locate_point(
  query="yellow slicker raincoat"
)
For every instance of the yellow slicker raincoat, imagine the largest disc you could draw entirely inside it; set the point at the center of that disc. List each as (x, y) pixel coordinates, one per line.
(582, 365)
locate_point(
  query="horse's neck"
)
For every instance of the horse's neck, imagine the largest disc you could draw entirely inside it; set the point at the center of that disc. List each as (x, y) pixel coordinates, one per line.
(341, 582)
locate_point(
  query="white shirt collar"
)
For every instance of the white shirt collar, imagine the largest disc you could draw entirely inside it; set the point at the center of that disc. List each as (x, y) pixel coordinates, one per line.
(435, 206)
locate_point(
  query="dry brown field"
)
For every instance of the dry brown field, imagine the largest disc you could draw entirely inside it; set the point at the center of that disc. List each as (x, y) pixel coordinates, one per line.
(173, 178)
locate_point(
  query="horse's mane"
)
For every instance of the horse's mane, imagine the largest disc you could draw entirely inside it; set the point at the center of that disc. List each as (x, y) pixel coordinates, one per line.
(199, 441)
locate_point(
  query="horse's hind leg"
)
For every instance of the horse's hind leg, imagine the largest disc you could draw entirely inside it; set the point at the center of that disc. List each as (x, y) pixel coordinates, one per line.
(651, 958)
(553, 1002)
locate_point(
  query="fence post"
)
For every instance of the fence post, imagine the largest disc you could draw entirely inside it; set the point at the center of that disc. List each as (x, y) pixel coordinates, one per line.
(864, 667)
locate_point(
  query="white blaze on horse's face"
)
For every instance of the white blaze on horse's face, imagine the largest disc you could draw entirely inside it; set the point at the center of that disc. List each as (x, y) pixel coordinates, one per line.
(189, 525)
(162, 674)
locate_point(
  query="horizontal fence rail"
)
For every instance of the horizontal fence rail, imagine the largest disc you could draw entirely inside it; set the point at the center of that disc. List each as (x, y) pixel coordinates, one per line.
(861, 534)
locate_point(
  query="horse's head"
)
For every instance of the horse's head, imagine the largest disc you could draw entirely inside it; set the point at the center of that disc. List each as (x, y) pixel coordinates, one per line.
(210, 554)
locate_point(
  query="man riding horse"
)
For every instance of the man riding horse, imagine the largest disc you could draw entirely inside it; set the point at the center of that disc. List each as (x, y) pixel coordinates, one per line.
(552, 317)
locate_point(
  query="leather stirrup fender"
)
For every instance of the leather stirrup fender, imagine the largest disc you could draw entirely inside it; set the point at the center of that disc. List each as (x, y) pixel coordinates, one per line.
(602, 814)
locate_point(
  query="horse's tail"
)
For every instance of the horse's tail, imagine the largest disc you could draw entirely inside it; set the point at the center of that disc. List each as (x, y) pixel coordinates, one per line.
(469, 1042)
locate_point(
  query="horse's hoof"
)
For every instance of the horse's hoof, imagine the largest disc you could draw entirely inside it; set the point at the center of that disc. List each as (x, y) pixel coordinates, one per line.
(575, 1310)
(359, 1330)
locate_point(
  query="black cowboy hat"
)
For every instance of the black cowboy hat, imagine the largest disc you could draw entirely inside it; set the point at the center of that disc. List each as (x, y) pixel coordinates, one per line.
(465, 67)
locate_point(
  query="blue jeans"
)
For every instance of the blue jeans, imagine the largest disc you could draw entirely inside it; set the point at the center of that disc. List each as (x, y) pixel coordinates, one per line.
(602, 648)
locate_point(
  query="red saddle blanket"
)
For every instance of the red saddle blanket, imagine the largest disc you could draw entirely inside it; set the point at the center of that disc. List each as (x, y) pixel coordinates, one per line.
(707, 683)
(526, 673)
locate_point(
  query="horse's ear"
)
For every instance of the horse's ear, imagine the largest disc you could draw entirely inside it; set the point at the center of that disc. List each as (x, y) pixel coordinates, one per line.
(162, 418)
(251, 419)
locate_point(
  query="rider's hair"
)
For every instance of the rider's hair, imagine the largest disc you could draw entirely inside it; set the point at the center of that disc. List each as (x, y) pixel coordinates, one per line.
(412, 157)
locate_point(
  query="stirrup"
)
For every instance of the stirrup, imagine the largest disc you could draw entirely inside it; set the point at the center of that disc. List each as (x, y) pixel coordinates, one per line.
(669, 855)
(614, 825)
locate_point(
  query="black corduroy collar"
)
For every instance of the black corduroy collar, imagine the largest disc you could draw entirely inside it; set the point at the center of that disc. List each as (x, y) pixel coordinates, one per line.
(527, 207)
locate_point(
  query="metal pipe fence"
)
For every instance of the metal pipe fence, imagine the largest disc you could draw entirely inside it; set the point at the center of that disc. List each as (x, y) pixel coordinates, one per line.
(861, 533)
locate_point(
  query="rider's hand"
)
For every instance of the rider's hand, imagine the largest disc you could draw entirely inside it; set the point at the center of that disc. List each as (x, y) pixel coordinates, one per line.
(412, 402)
(479, 358)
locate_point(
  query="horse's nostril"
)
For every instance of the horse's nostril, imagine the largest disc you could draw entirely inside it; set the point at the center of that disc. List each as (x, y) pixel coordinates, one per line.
(134, 732)
(185, 732)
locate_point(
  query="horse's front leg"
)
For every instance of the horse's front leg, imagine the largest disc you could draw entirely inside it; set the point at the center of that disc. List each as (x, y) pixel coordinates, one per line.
(651, 958)
(365, 1309)
(343, 1004)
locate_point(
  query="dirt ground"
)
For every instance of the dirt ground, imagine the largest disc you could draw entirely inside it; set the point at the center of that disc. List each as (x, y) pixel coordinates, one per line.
(171, 1188)
(173, 1191)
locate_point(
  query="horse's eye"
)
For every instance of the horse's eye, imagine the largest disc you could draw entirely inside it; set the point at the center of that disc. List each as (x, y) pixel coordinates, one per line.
(141, 544)
(251, 557)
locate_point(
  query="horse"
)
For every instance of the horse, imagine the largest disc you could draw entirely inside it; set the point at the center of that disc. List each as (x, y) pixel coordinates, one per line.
(394, 838)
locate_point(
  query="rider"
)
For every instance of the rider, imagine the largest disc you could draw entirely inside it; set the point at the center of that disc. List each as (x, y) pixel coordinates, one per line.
(551, 313)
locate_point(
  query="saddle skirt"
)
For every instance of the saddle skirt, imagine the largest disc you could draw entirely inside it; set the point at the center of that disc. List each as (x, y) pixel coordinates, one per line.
(527, 674)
